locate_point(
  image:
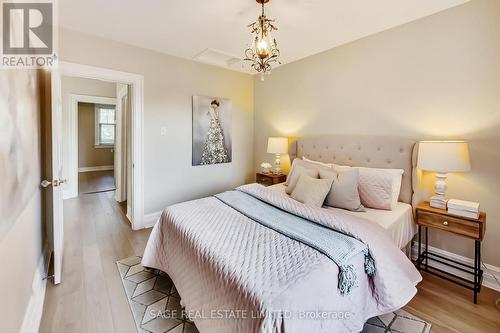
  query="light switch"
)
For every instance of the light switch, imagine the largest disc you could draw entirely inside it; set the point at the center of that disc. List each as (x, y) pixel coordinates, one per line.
(163, 131)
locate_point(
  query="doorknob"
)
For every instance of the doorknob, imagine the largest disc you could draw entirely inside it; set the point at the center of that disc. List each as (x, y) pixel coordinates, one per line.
(55, 183)
(45, 183)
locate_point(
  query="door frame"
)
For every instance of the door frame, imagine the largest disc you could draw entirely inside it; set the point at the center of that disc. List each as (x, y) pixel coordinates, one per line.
(71, 191)
(136, 82)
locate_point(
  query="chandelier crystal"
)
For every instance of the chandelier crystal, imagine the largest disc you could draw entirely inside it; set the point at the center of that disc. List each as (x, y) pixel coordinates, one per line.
(263, 52)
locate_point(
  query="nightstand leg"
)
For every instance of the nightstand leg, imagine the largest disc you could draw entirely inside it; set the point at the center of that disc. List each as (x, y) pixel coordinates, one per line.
(477, 267)
(426, 247)
(419, 246)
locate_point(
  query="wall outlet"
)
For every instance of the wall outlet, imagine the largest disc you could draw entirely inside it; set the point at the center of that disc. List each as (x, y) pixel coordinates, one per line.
(163, 131)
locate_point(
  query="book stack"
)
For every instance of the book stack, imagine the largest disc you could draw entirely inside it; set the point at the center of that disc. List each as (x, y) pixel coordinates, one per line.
(438, 202)
(463, 208)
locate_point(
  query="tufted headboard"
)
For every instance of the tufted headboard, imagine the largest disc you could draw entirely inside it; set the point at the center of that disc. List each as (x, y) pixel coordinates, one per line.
(363, 151)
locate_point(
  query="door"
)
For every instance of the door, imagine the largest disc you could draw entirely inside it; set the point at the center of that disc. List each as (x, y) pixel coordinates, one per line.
(53, 174)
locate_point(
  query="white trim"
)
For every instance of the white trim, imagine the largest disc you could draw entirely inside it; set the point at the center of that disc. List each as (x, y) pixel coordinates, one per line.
(97, 131)
(151, 219)
(96, 168)
(34, 310)
(490, 271)
(136, 82)
(71, 189)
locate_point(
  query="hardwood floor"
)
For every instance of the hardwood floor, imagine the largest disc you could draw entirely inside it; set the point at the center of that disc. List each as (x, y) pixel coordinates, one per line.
(449, 307)
(91, 297)
(96, 181)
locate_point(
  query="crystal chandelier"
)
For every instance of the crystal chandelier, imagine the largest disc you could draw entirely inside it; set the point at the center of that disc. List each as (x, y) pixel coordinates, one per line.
(264, 50)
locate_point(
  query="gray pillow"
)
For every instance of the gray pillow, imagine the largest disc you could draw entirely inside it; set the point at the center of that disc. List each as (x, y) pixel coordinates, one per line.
(344, 192)
(297, 172)
(311, 191)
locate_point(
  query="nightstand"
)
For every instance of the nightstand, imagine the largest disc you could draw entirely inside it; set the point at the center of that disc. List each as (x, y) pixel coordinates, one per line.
(474, 229)
(268, 179)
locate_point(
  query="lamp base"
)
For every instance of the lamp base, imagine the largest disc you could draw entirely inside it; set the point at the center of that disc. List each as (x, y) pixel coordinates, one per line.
(277, 165)
(439, 200)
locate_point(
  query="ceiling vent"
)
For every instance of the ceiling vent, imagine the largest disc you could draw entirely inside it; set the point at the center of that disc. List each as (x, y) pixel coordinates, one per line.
(218, 58)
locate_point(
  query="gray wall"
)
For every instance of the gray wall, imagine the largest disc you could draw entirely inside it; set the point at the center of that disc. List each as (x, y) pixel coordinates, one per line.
(435, 78)
(169, 84)
(88, 154)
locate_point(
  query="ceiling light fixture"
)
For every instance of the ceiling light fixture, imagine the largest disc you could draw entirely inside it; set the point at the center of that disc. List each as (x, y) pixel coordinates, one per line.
(264, 50)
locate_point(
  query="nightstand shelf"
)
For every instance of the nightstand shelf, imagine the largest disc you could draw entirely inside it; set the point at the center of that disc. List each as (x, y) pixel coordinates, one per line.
(429, 217)
(268, 179)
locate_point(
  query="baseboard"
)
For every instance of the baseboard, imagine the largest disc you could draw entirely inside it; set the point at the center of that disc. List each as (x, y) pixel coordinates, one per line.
(96, 168)
(129, 213)
(151, 219)
(34, 311)
(490, 272)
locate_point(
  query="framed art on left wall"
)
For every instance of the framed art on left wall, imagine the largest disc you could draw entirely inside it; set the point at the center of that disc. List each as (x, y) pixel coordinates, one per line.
(212, 135)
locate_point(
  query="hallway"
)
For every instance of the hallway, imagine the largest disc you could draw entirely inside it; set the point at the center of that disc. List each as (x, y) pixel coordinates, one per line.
(96, 181)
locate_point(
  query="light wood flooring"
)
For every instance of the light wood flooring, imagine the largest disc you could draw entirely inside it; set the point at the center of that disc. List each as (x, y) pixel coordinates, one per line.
(91, 297)
(96, 181)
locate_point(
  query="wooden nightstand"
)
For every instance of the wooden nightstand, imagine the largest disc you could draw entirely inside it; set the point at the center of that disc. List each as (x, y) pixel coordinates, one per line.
(268, 179)
(429, 217)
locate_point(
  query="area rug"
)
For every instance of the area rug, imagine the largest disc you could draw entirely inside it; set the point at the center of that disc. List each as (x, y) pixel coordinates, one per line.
(151, 292)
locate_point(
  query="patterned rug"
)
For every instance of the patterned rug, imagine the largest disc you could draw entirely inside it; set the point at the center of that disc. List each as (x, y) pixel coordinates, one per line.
(151, 292)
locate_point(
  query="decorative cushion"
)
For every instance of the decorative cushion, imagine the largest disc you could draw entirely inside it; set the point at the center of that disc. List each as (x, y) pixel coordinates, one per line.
(297, 172)
(379, 188)
(344, 192)
(306, 164)
(311, 191)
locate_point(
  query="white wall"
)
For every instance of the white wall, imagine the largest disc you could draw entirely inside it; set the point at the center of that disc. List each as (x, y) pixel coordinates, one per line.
(435, 78)
(170, 83)
(22, 236)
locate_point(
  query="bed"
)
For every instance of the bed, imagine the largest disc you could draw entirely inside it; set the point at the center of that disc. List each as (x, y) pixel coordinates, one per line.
(237, 274)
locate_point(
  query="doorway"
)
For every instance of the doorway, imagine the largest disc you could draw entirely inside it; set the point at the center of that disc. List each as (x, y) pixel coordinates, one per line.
(129, 97)
(135, 91)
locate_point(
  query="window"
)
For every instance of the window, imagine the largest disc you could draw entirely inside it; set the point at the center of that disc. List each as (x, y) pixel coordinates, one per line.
(105, 125)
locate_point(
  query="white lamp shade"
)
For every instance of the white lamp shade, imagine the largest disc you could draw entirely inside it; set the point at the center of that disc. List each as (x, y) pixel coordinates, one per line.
(277, 145)
(443, 156)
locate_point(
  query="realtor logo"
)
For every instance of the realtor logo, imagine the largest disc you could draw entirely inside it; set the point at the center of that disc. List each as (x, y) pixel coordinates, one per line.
(27, 34)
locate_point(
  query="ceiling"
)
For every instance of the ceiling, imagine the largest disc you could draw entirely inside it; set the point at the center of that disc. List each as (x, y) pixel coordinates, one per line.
(185, 28)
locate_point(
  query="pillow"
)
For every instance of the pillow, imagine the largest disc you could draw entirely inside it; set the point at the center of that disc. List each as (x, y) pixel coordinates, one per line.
(344, 192)
(328, 165)
(311, 191)
(306, 164)
(379, 188)
(297, 172)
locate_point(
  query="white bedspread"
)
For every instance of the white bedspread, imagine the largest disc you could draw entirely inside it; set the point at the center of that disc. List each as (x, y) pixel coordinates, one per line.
(398, 223)
(257, 280)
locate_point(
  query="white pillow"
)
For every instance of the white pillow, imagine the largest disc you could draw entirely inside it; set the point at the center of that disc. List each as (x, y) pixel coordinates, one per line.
(328, 165)
(311, 191)
(378, 188)
(306, 164)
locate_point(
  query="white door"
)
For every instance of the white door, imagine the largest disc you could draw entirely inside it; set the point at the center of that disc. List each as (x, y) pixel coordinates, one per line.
(57, 180)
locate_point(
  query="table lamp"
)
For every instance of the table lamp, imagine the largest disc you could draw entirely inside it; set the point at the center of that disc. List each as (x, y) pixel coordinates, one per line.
(277, 146)
(442, 157)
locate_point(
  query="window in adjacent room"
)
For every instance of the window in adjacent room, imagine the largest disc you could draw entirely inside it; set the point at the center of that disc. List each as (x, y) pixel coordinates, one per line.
(105, 125)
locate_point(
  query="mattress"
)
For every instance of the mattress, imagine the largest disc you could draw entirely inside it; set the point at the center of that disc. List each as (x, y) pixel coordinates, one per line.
(398, 223)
